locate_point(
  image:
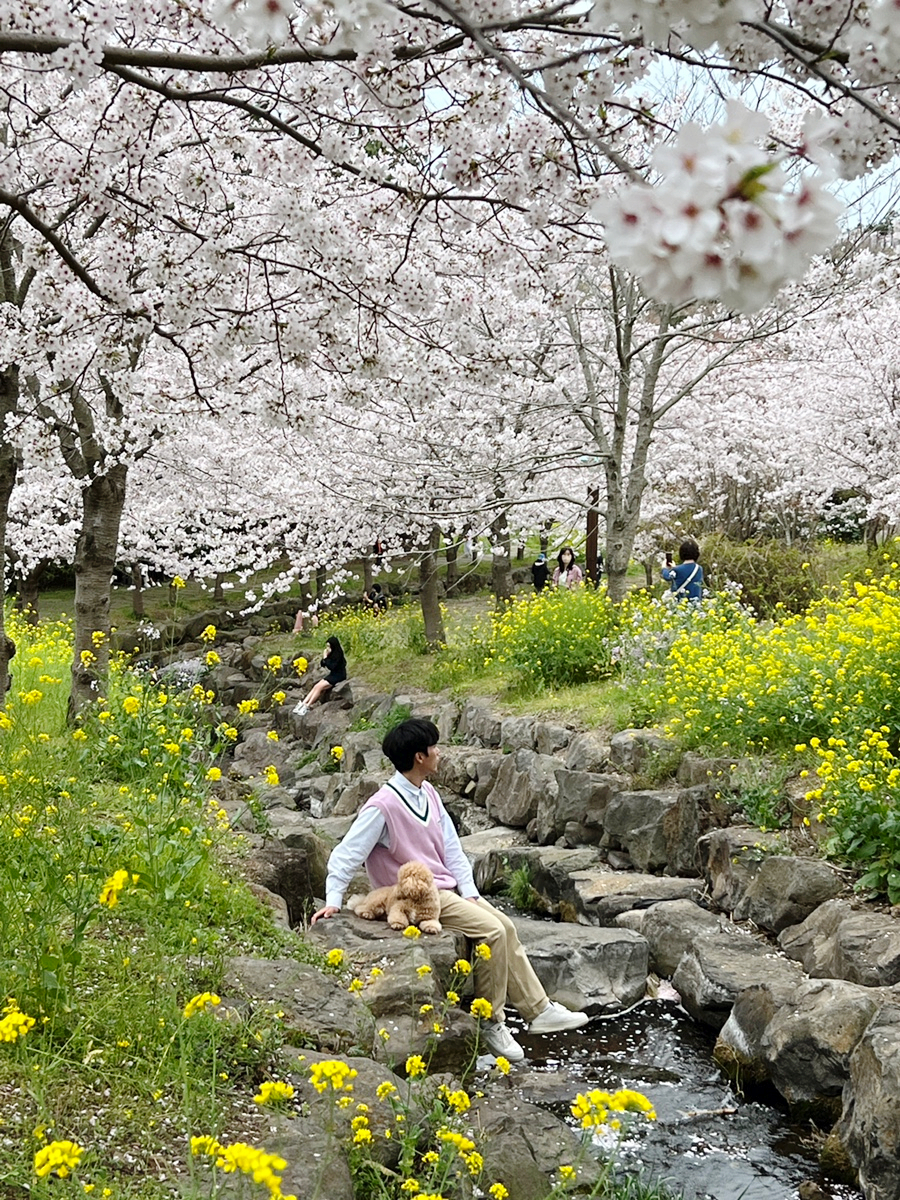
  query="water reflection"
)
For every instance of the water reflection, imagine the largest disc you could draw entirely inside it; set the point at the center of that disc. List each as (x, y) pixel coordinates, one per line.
(708, 1143)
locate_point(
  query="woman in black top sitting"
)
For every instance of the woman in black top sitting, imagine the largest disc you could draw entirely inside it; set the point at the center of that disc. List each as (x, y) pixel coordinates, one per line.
(334, 660)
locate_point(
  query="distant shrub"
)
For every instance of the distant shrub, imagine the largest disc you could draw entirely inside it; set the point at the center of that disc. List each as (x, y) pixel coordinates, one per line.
(557, 638)
(771, 575)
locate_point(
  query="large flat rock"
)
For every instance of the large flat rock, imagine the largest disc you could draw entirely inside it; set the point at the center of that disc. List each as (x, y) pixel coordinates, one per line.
(599, 896)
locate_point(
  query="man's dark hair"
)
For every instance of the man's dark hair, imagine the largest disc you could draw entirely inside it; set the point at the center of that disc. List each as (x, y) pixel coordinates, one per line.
(406, 740)
(688, 551)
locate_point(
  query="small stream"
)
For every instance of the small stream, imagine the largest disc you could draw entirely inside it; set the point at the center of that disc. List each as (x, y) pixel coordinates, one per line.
(708, 1143)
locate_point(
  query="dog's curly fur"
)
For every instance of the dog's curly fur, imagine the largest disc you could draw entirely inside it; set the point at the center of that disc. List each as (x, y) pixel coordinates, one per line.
(413, 900)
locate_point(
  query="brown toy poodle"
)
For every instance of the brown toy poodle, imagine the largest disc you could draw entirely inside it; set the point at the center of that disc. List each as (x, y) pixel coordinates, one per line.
(413, 900)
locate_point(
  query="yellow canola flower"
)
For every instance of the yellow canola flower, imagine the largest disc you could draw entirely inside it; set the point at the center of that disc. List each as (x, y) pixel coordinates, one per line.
(483, 951)
(60, 1157)
(415, 1066)
(335, 957)
(214, 774)
(462, 967)
(271, 776)
(14, 1024)
(109, 895)
(212, 659)
(178, 583)
(481, 1008)
(497, 1191)
(412, 931)
(273, 1091)
(200, 1003)
(208, 634)
(331, 1073)
(131, 705)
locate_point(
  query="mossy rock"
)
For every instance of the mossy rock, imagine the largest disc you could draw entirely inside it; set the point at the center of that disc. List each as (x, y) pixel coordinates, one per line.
(835, 1160)
(741, 1070)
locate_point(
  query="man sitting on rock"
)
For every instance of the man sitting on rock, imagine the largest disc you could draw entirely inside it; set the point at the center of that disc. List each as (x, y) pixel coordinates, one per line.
(405, 820)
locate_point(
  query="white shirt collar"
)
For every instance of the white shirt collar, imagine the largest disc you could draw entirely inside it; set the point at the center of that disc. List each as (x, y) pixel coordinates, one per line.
(417, 797)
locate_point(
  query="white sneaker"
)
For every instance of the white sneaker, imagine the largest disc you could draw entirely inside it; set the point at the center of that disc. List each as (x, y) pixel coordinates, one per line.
(556, 1019)
(301, 709)
(497, 1038)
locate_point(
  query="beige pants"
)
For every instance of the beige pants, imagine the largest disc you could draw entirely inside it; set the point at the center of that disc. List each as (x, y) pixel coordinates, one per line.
(507, 975)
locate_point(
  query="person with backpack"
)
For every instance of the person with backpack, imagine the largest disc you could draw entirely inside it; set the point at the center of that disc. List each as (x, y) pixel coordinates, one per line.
(686, 580)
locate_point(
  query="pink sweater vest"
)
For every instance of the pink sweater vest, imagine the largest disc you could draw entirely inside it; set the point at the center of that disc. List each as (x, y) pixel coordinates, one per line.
(409, 838)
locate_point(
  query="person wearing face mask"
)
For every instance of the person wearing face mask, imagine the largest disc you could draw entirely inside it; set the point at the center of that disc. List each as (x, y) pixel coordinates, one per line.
(568, 573)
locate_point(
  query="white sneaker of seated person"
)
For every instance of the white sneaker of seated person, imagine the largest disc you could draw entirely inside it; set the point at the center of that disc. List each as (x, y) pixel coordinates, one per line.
(556, 1019)
(499, 1041)
(301, 709)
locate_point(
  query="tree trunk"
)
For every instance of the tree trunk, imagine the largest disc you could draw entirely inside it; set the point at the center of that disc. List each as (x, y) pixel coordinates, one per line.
(137, 590)
(9, 396)
(28, 594)
(321, 584)
(367, 573)
(501, 565)
(451, 553)
(428, 592)
(218, 591)
(520, 552)
(95, 555)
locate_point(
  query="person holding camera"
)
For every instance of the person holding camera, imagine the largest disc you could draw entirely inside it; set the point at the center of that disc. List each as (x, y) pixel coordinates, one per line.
(686, 580)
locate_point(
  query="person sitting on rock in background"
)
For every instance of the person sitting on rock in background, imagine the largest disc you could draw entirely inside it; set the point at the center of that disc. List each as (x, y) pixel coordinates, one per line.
(374, 600)
(405, 821)
(334, 660)
(686, 580)
(568, 573)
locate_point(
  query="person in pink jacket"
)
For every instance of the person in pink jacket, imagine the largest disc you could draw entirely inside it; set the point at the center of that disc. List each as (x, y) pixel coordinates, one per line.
(568, 573)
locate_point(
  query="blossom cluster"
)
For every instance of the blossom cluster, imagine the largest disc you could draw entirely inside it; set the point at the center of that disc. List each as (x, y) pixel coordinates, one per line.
(722, 221)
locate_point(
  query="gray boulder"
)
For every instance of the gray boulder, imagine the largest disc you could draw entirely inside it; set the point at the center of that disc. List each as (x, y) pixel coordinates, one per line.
(316, 1007)
(350, 796)
(870, 1124)
(643, 752)
(670, 927)
(523, 1146)
(477, 723)
(634, 821)
(599, 896)
(785, 890)
(285, 872)
(362, 752)
(517, 733)
(467, 816)
(587, 752)
(717, 967)
(581, 797)
(730, 858)
(587, 969)
(295, 832)
(549, 871)
(809, 1041)
(697, 768)
(550, 739)
(838, 941)
(487, 766)
(523, 779)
